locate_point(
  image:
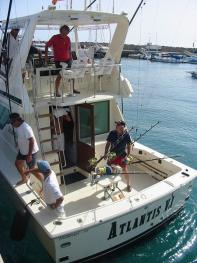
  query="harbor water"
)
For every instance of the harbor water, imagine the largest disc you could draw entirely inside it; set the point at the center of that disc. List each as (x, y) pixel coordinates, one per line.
(164, 93)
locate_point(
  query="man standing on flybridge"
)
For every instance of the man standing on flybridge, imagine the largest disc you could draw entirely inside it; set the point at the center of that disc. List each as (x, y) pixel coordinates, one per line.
(62, 53)
(27, 146)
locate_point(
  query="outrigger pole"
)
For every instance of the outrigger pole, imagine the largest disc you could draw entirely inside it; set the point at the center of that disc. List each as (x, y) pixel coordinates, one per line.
(4, 53)
(90, 5)
(4, 44)
(140, 4)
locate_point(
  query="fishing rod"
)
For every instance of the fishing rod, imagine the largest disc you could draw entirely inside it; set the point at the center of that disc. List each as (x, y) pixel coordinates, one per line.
(111, 150)
(134, 172)
(120, 139)
(146, 131)
(155, 159)
(140, 4)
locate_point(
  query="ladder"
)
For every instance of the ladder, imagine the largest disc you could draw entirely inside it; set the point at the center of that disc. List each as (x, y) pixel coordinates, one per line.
(43, 121)
(44, 114)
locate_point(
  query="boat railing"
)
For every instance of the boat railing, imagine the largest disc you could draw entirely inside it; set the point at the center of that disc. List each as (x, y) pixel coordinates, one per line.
(86, 78)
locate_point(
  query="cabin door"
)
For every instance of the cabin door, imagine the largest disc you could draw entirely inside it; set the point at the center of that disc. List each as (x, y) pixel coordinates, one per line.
(85, 135)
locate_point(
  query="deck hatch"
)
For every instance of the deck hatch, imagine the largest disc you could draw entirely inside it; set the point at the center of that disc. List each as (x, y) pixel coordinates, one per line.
(67, 244)
(63, 259)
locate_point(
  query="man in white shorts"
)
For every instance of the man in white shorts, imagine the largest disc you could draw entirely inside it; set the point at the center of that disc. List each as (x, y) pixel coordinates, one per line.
(27, 146)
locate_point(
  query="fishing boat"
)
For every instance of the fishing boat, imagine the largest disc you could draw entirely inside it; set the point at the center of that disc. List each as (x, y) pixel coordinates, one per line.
(167, 58)
(101, 216)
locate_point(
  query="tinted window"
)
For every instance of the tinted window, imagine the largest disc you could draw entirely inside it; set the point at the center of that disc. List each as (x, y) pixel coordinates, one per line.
(101, 117)
(4, 116)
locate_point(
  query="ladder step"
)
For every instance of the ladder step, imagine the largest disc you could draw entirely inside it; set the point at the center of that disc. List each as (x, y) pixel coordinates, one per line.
(59, 174)
(53, 151)
(44, 115)
(48, 140)
(45, 128)
(54, 163)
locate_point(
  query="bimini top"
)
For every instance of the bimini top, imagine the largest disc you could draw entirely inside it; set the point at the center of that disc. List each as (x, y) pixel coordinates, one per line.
(69, 17)
(51, 18)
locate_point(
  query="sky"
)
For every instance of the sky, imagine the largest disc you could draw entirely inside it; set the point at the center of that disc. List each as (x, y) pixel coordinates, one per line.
(161, 22)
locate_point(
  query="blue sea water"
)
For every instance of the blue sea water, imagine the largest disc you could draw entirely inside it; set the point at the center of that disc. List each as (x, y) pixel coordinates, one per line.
(165, 93)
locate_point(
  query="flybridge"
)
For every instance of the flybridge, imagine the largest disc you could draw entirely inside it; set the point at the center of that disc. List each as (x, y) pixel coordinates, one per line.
(78, 18)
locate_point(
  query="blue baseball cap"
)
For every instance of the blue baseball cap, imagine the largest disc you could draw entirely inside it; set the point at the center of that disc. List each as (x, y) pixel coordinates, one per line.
(43, 166)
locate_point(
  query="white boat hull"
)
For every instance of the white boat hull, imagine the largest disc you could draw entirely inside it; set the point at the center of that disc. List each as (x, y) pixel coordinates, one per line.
(105, 237)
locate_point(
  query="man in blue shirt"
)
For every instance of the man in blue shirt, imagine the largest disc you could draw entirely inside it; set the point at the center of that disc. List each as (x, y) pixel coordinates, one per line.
(119, 142)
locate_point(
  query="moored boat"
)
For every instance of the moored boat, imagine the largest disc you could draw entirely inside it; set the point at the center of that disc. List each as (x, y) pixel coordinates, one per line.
(193, 74)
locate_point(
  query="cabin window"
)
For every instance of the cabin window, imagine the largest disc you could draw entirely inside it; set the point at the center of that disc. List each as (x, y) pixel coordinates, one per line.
(4, 116)
(101, 117)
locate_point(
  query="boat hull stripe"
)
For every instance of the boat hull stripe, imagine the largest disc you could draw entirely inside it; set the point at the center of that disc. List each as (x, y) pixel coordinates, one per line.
(12, 98)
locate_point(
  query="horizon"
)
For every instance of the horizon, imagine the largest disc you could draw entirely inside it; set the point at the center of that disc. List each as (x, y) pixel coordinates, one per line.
(163, 23)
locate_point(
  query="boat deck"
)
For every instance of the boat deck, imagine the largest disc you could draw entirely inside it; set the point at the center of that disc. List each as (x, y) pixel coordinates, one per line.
(81, 196)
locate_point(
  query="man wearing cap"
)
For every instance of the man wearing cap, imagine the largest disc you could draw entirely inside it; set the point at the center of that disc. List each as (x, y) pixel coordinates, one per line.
(119, 142)
(52, 194)
(62, 53)
(27, 145)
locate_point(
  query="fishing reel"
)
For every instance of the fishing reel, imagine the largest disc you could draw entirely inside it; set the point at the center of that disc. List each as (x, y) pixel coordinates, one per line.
(93, 162)
(112, 170)
(128, 160)
(111, 156)
(98, 172)
(105, 170)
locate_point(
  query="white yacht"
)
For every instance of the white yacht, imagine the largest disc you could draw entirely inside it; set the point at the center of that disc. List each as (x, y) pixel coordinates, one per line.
(101, 215)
